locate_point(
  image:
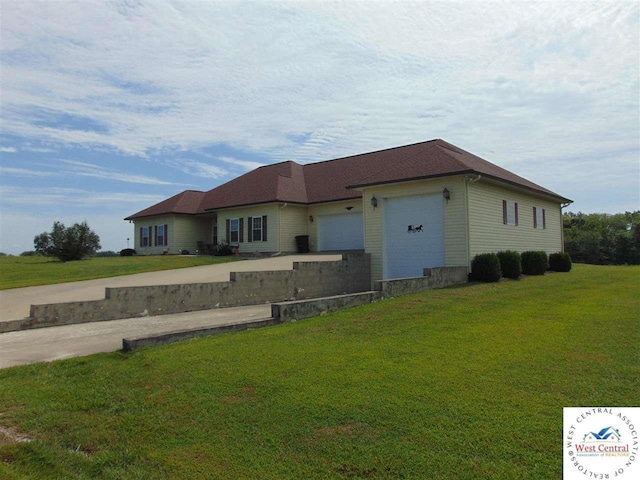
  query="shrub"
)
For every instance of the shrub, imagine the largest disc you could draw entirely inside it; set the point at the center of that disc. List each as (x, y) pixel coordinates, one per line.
(223, 249)
(29, 253)
(560, 262)
(127, 252)
(510, 263)
(486, 268)
(106, 253)
(73, 243)
(534, 262)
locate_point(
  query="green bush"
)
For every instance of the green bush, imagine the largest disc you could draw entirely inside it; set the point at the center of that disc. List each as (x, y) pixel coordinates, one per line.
(105, 253)
(223, 249)
(486, 268)
(534, 262)
(560, 262)
(127, 252)
(510, 263)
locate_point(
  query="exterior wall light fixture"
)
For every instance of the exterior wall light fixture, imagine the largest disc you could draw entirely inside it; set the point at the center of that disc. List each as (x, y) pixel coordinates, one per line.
(374, 201)
(446, 195)
(311, 218)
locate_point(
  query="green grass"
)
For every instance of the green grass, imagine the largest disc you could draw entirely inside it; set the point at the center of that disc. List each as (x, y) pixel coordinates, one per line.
(461, 383)
(29, 271)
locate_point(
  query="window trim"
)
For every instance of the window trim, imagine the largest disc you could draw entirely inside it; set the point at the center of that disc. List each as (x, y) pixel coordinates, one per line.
(543, 218)
(508, 205)
(262, 229)
(145, 237)
(161, 240)
(232, 230)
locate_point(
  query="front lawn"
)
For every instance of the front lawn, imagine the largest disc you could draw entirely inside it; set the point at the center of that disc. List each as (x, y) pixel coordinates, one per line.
(29, 271)
(460, 383)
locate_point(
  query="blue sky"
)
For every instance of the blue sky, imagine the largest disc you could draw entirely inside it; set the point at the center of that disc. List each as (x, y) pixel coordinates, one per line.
(109, 107)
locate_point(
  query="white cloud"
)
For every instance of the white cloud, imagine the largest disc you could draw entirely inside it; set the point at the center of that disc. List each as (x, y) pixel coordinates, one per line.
(25, 172)
(8, 149)
(56, 197)
(199, 169)
(244, 164)
(521, 83)
(83, 169)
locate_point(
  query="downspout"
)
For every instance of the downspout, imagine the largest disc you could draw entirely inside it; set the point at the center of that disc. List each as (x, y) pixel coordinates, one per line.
(467, 180)
(562, 206)
(279, 252)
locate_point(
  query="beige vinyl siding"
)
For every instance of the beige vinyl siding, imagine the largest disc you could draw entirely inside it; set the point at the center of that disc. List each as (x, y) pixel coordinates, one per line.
(270, 210)
(455, 240)
(487, 233)
(331, 208)
(151, 222)
(293, 222)
(184, 232)
(188, 231)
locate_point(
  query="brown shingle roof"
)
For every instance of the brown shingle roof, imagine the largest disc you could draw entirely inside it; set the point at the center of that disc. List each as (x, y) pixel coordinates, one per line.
(337, 179)
(187, 202)
(438, 158)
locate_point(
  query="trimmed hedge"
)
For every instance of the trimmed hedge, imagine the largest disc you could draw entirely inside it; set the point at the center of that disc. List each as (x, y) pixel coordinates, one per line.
(560, 262)
(486, 268)
(534, 262)
(510, 263)
(127, 252)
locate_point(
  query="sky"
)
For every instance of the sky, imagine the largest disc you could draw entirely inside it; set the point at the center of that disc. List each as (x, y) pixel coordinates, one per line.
(109, 107)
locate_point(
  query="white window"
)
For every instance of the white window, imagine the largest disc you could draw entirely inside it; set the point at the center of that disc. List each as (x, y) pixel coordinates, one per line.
(144, 236)
(257, 229)
(509, 212)
(539, 218)
(234, 230)
(161, 235)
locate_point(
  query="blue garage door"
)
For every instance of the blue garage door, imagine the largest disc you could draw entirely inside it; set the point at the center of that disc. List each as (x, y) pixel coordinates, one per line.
(413, 235)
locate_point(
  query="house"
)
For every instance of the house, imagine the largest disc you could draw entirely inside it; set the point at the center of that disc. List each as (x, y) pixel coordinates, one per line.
(427, 204)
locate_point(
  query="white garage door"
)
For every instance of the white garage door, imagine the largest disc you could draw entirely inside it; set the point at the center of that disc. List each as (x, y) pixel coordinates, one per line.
(340, 232)
(413, 235)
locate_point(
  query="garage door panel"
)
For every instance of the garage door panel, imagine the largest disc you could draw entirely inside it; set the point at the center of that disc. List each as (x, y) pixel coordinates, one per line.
(413, 235)
(340, 232)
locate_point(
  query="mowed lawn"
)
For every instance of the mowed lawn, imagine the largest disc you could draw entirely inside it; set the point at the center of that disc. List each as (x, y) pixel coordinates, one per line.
(460, 383)
(18, 272)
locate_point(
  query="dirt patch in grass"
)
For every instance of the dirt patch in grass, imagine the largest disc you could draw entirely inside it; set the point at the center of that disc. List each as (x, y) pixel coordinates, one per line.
(11, 435)
(347, 429)
(245, 394)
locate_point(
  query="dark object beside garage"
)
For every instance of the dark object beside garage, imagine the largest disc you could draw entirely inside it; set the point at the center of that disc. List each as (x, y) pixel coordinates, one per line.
(302, 242)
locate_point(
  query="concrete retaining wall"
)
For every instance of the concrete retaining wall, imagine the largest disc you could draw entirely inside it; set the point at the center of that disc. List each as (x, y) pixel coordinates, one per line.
(296, 310)
(306, 280)
(291, 311)
(437, 277)
(132, 343)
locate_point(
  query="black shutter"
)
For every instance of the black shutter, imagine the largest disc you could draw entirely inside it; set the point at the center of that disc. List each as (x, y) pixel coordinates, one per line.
(544, 219)
(535, 218)
(228, 231)
(141, 235)
(166, 234)
(250, 227)
(504, 212)
(264, 228)
(241, 221)
(155, 235)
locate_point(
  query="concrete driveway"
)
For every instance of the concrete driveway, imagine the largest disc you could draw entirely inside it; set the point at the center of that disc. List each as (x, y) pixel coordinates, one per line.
(55, 343)
(15, 303)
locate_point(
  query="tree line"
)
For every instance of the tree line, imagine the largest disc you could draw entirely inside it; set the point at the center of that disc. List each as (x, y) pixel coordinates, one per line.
(601, 238)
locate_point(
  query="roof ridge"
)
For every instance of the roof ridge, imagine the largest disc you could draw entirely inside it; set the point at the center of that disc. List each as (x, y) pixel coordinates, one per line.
(372, 152)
